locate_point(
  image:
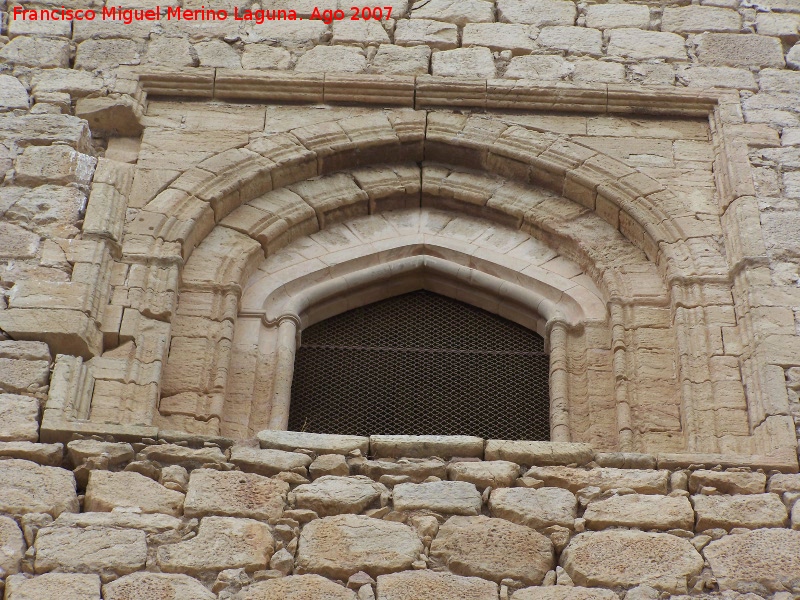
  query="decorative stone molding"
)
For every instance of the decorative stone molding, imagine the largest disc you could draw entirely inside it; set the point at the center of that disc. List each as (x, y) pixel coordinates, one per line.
(721, 319)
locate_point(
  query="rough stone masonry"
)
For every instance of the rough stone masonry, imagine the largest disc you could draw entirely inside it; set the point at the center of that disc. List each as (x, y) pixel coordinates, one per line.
(134, 493)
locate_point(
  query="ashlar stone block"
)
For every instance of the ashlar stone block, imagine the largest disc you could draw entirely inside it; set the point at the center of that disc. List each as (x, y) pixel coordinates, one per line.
(644, 45)
(536, 508)
(410, 585)
(19, 418)
(752, 511)
(541, 13)
(25, 487)
(331, 495)
(221, 543)
(107, 491)
(732, 50)
(340, 546)
(493, 549)
(450, 497)
(235, 494)
(12, 545)
(698, 19)
(296, 587)
(619, 558)
(53, 586)
(642, 511)
(613, 16)
(138, 586)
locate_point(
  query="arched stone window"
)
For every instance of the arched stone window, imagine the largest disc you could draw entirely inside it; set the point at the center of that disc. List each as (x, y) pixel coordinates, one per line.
(421, 364)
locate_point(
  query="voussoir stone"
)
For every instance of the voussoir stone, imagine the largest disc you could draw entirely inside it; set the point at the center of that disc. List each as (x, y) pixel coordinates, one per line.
(640, 510)
(563, 592)
(746, 510)
(53, 586)
(321, 443)
(221, 543)
(606, 478)
(106, 551)
(26, 487)
(107, 491)
(234, 494)
(488, 473)
(763, 561)
(330, 495)
(296, 587)
(12, 545)
(414, 585)
(493, 549)
(536, 508)
(154, 586)
(340, 546)
(452, 497)
(627, 558)
(269, 462)
(424, 446)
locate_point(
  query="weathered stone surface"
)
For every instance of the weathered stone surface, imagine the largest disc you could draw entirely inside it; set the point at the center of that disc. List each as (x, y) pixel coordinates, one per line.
(23, 376)
(19, 418)
(619, 558)
(697, 19)
(329, 464)
(784, 482)
(539, 453)
(450, 497)
(734, 50)
(726, 482)
(518, 39)
(541, 13)
(541, 67)
(12, 93)
(334, 59)
(436, 34)
(424, 446)
(102, 550)
(49, 455)
(322, 443)
(493, 549)
(116, 453)
(751, 511)
(221, 543)
(563, 592)
(296, 587)
(53, 586)
(138, 586)
(12, 545)
(30, 51)
(398, 60)
(766, 560)
(489, 473)
(330, 495)
(459, 12)
(340, 546)
(536, 508)
(25, 487)
(416, 470)
(722, 77)
(575, 40)
(642, 511)
(642, 481)
(411, 585)
(107, 491)
(147, 522)
(612, 16)
(269, 462)
(234, 494)
(644, 45)
(464, 62)
(190, 458)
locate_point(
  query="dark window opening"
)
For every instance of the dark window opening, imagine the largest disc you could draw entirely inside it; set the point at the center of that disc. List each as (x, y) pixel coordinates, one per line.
(421, 364)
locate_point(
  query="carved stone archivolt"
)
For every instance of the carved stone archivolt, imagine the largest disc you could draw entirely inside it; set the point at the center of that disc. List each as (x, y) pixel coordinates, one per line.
(640, 263)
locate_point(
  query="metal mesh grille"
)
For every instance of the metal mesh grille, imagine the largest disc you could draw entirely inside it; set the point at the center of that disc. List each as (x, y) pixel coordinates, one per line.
(421, 364)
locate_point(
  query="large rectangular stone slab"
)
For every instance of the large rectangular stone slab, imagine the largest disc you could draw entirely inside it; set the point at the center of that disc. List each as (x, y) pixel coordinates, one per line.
(639, 480)
(423, 446)
(321, 443)
(26, 487)
(531, 453)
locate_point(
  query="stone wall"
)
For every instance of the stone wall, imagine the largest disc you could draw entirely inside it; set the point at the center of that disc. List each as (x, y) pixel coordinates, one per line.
(72, 108)
(294, 515)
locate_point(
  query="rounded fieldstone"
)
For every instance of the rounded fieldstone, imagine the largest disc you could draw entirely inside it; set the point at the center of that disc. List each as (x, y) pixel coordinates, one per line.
(761, 561)
(340, 546)
(622, 558)
(415, 585)
(296, 587)
(493, 549)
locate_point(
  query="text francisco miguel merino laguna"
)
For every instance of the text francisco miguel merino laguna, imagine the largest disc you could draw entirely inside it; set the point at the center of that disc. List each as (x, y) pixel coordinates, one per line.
(128, 16)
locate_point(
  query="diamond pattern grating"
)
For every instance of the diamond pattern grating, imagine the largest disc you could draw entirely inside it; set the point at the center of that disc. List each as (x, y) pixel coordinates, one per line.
(421, 364)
